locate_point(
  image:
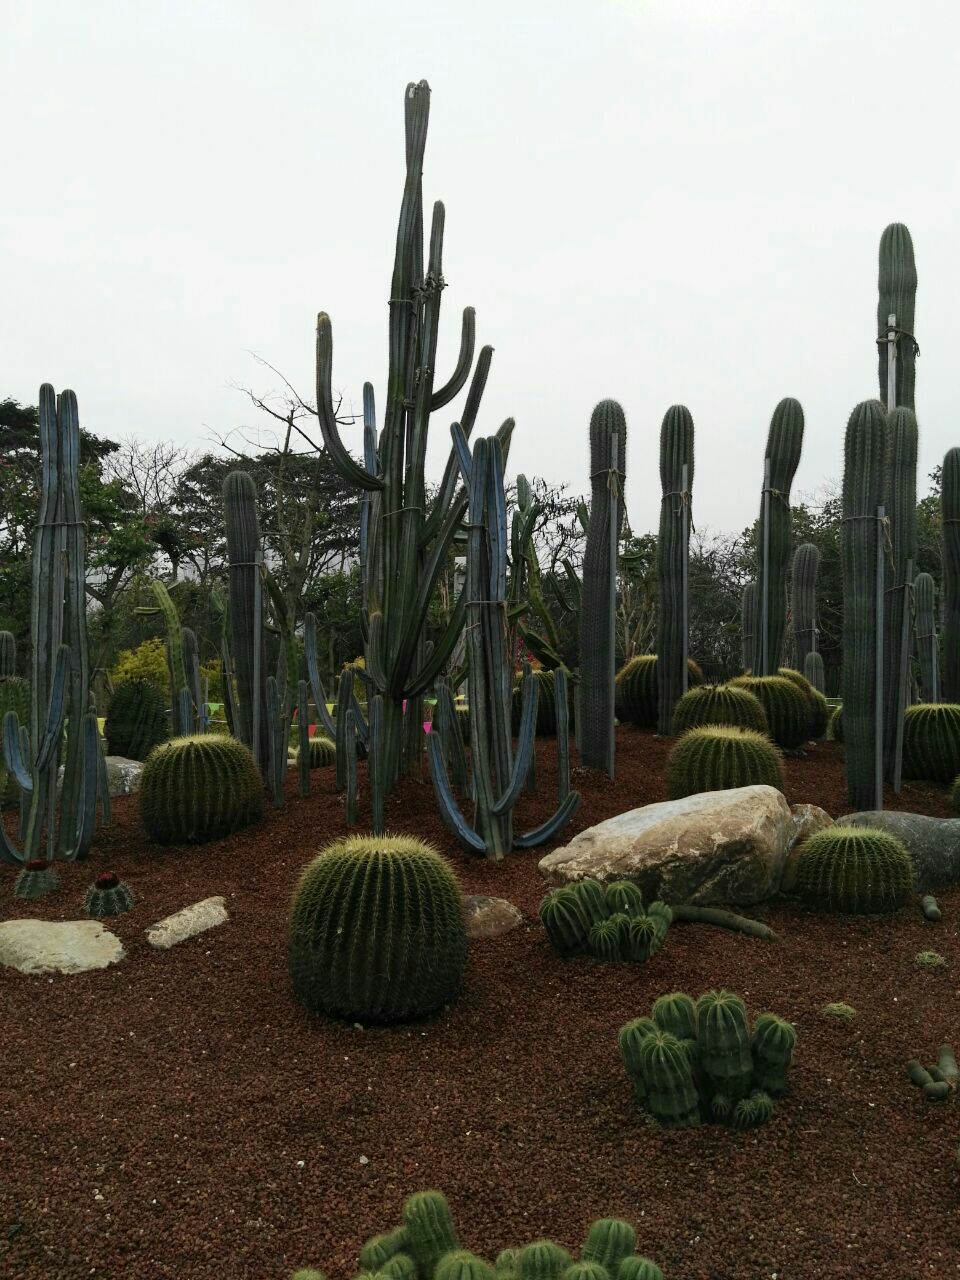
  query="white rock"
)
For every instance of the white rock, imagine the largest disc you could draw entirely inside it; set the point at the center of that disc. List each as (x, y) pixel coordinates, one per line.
(188, 922)
(58, 946)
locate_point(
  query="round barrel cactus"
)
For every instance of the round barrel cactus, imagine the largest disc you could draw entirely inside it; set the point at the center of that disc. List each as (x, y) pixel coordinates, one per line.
(542, 1260)
(108, 896)
(377, 933)
(637, 690)
(639, 1268)
(720, 757)
(671, 1093)
(136, 721)
(565, 921)
(719, 704)
(855, 870)
(199, 788)
(931, 741)
(607, 938)
(323, 752)
(546, 705)
(625, 896)
(787, 707)
(817, 704)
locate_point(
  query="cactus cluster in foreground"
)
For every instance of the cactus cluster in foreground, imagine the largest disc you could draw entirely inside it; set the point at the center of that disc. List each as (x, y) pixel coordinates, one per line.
(199, 788)
(693, 1063)
(608, 922)
(855, 870)
(426, 1246)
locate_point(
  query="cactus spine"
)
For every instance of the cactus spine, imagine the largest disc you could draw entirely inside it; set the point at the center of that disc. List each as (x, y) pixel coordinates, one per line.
(863, 472)
(928, 652)
(608, 442)
(897, 290)
(806, 562)
(900, 502)
(784, 443)
(950, 518)
(676, 480)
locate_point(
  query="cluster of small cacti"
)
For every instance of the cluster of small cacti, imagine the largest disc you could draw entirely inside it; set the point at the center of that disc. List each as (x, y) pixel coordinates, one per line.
(608, 922)
(108, 896)
(719, 704)
(786, 705)
(931, 741)
(377, 932)
(36, 879)
(837, 1011)
(720, 757)
(199, 788)
(938, 1081)
(855, 870)
(136, 721)
(426, 1246)
(638, 690)
(691, 1063)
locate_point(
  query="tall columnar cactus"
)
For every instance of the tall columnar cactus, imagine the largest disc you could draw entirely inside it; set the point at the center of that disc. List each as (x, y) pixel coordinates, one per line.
(748, 625)
(863, 494)
(15, 697)
(782, 457)
(806, 562)
(724, 1039)
(199, 788)
(897, 288)
(676, 453)
(928, 649)
(900, 502)
(59, 670)
(608, 445)
(950, 586)
(407, 538)
(814, 673)
(8, 654)
(499, 772)
(246, 615)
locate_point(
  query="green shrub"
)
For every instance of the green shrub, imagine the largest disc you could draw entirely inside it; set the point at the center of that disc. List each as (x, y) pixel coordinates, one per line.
(787, 707)
(377, 932)
(855, 870)
(719, 704)
(136, 721)
(931, 741)
(719, 757)
(148, 661)
(199, 788)
(637, 689)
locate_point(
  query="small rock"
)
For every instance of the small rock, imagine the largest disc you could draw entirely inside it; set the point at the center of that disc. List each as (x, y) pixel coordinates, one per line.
(123, 776)
(58, 946)
(188, 922)
(489, 917)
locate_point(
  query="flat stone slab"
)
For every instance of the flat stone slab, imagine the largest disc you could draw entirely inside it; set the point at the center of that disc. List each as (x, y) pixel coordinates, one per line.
(188, 922)
(489, 917)
(932, 843)
(58, 946)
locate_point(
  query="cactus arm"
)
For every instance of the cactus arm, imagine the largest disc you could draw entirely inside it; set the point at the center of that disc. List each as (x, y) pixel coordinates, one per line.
(375, 766)
(563, 732)
(344, 710)
(464, 458)
(178, 666)
(277, 761)
(185, 712)
(87, 810)
(313, 671)
(442, 650)
(449, 809)
(684, 914)
(56, 709)
(348, 467)
(350, 770)
(525, 745)
(547, 830)
(457, 381)
(13, 753)
(451, 473)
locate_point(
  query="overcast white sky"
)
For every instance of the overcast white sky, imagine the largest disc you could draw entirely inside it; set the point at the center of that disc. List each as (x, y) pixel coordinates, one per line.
(651, 200)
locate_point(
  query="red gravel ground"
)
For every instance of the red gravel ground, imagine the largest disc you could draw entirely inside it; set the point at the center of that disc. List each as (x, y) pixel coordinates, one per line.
(178, 1115)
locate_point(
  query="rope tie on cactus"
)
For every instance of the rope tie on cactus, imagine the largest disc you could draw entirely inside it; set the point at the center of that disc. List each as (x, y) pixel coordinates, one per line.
(777, 493)
(384, 514)
(685, 501)
(884, 523)
(884, 339)
(60, 524)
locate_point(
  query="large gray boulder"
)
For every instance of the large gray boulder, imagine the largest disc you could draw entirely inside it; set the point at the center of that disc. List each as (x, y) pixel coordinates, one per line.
(713, 848)
(933, 843)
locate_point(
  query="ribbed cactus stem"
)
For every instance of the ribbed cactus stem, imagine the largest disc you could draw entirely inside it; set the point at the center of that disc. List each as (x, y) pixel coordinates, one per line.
(814, 672)
(676, 480)
(897, 290)
(246, 613)
(8, 654)
(608, 440)
(748, 625)
(928, 651)
(900, 504)
(784, 443)
(950, 516)
(806, 562)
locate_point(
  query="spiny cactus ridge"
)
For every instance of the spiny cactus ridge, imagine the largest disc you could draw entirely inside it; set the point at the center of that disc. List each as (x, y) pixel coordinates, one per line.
(855, 870)
(931, 741)
(720, 757)
(199, 788)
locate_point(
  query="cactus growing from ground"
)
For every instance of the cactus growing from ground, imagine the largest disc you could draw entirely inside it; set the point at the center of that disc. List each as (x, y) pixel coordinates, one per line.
(15, 697)
(562, 915)
(8, 654)
(714, 704)
(430, 1229)
(377, 932)
(721, 757)
(606, 939)
(677, 1014)
(322, 752)
(36, 879)
(638, 689)
(542, 1260)
(950, 584)
(803, 596)
(931, 741)
(786, 705)
(854, 870)
(608, 445)
(772, 1048)
(775, 534)
(667, 1072)
(625, 896)
(723, 1037)
(928, 650)
(108, 896)
(136, 721)
(897, 295)
(199, 788)
(676, 461)
(900, 502)
(609, 924)
(546, 704)
(608, 1242)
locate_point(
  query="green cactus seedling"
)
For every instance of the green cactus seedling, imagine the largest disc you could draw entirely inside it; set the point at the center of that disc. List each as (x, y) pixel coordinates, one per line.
(542, 1260)
(108, 896)
(753, 1110)
(677, 1014)
(929, 960)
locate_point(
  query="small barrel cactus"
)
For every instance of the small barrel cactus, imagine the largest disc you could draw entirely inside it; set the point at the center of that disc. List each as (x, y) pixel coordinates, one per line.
(817, 704)
(379, 1249)
(563, 917)
(606, 940)
(608, 1242)
(136, 721)
(638, 691)
(719, 704)
(724, 1040)
(630, 1037)
(199, 788)
(719, 757)
(542, 1260)
(429, 1224)
(677, 1014)
(460, 1264)
(786, 705)
(36, 879)
(625, 896)
(108, 896)
(855, 870)
(755, 1109)
(323, 752)
(931, 741)
(642, 936)
(772, 1047)
(671, 1093)
(592, 899)
(815, 673)
(546, 705)
(377, 933)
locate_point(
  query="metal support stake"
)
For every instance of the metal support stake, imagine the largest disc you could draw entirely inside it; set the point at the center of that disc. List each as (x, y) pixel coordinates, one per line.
(611, 674)
(878, 681)
(685, 570)
(257, 655)
(902, 679)
(765, 577)
(891, 362)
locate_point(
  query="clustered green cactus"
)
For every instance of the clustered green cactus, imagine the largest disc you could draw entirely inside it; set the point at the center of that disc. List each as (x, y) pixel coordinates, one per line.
(426, 1246)
(788, 708)
(931, 741)
(377, 933)
(108, 896)
(720, 757)
(719, 704)
(855, 870)
(938, 1081)
(36, 879)
(690, 1063)
(608, 922)
(638, 689)
(136, 721)
(199, 788)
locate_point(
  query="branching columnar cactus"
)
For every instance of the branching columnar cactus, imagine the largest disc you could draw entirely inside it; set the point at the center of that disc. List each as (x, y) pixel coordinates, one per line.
(36, 879)
(806, 562)
(784, 443)
(638, 689)
(715, 704)
(814, 673)
(950, 585)
(377, 933)
(246, 616)
(897, 289)
(608, 449)
(931, 741)
(199, 788)
(854, 870)
(59, 673)
(136, 721)
(900, 502)
(719, 757)
(108, 896)
(748, 625)
(928, 650)
(863, 493)
(499, 771)
(676, 454)
(608, 923)
(786, 706)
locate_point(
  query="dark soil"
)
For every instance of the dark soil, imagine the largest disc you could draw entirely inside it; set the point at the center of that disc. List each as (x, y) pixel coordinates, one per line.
(178, 1115)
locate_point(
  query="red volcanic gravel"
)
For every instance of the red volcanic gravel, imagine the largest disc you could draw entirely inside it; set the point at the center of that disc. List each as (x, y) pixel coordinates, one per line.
(178, 1115)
